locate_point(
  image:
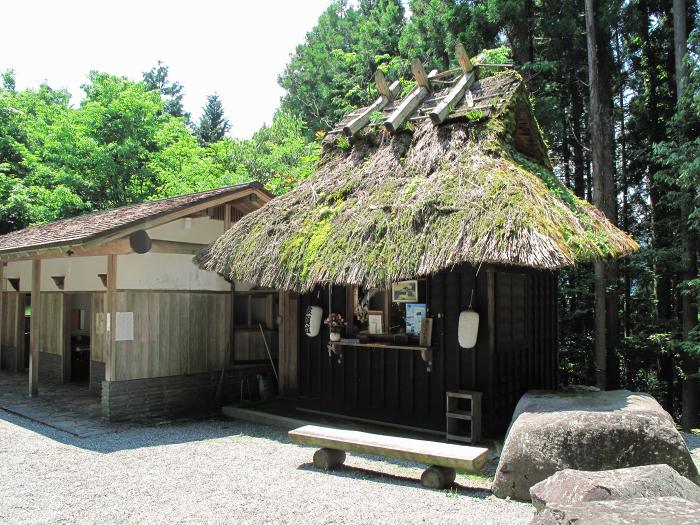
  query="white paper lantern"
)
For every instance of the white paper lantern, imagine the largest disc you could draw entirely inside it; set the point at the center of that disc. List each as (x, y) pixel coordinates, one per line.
(312, 320)
(468, 328)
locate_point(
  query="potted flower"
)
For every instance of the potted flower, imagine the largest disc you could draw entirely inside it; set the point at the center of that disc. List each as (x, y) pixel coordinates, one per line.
(335, 323)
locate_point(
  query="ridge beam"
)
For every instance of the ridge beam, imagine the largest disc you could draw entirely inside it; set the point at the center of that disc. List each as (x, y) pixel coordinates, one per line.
(409, 104)
(443, 109)
(360, 121)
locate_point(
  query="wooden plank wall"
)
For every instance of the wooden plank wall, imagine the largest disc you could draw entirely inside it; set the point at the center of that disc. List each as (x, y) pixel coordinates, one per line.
(98, 340)
(249, 346)
(289, 344)
(12, 320)
(51, 323)
(394, 385)
(174, 333)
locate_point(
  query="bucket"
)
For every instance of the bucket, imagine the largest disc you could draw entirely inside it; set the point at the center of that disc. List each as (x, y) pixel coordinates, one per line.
(266, 387)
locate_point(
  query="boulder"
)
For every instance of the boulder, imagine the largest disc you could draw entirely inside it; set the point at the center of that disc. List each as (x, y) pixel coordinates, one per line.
(650, 481)
(586, 430)
(640, 511)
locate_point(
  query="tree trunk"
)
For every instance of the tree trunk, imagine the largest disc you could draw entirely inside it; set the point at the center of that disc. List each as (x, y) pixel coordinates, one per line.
(603, 181)
(691, 394)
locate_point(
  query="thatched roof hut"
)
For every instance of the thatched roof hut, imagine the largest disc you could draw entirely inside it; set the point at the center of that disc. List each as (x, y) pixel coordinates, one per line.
(384, 206)
(450, 190)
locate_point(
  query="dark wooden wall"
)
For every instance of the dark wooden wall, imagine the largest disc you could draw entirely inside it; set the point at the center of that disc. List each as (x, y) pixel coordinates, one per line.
(516, 351)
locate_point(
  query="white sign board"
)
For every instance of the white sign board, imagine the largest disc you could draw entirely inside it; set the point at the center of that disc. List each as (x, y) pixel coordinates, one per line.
(125, 326)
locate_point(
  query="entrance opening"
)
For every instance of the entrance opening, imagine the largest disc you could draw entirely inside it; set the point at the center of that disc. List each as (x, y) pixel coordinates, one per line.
(26, 316)
(77, 363)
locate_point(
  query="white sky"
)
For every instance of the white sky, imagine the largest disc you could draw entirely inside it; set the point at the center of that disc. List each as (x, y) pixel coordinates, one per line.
(233, 47)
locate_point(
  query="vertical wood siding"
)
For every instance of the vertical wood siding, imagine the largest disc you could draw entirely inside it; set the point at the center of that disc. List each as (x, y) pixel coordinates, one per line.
(12, 318)
(51, 323)
(174, 333)
(394, 385)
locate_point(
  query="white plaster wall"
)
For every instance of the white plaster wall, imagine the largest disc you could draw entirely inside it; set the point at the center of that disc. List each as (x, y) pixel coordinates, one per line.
(165, 271)
(202, 230)
(81, 274)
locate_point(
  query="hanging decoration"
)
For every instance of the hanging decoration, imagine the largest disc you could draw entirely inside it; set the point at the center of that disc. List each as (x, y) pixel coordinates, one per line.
(468, 327)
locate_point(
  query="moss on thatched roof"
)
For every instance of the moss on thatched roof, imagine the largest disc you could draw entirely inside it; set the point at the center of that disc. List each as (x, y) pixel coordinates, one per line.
(396, 206)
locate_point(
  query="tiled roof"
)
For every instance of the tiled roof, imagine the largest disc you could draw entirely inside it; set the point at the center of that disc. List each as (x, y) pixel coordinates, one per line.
(76, 230)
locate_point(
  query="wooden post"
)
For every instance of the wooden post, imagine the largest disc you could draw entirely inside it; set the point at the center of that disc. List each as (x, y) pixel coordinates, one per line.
(34, 330)
(227, 217)
(110, 318)
(491, 318)
(2, 305)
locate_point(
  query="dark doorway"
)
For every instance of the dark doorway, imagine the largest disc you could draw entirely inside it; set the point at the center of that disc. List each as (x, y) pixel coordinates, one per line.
(26, 316)
(78, 348)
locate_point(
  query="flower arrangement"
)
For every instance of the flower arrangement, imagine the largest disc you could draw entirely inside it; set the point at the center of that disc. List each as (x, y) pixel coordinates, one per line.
(335, 322)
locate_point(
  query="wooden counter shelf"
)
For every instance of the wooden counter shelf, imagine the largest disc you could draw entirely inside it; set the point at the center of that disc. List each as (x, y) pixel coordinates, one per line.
(426, 352)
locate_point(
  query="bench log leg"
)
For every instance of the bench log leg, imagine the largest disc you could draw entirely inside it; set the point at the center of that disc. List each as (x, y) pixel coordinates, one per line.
(328, 458)
(438, 477)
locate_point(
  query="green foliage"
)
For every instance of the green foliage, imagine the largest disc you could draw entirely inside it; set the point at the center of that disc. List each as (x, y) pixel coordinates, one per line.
(213, 124)
(171, 92)
(332, 71)
(122, 146)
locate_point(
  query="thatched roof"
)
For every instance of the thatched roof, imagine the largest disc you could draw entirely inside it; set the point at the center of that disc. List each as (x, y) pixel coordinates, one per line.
(384, 207)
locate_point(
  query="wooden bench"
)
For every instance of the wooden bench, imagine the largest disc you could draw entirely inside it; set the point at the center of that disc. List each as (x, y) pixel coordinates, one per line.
(442, 458)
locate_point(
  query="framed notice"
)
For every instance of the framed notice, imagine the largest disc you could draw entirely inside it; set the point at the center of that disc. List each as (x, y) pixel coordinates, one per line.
(404, 292)
(374, 320)
(125, 326)
(415, 313)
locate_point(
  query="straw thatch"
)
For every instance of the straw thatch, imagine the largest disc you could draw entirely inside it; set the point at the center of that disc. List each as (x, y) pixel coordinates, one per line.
(393, 207)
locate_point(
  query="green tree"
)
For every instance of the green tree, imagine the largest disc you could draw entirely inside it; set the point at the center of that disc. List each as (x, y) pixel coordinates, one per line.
(213, 124)
(171, 92)
(8, 79)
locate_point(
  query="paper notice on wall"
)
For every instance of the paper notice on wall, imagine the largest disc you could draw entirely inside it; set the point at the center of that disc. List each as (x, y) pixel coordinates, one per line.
(100, 328)
(125, 326)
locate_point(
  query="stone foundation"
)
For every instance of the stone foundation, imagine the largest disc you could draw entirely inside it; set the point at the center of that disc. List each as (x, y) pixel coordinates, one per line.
(9, 359)
(50, 368)
(97, 375)
(177, 395)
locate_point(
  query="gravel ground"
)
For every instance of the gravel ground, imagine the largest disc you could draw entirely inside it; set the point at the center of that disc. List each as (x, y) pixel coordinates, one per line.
(693, 442)
(217, 471)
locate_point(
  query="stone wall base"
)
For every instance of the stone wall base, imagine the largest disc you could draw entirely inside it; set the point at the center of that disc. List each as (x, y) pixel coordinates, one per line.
(97, 376)
(178, 395)
(9, 359)
(50, 368)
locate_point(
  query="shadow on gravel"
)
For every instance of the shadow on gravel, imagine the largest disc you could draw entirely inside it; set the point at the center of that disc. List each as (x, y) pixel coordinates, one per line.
(347, 471)
(149, 434)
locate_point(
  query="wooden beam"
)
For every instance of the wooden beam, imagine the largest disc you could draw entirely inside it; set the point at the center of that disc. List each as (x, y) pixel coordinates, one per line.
(363, 118)
(116, 247)
(383, 86)
(35, 329)
(463, 59)
(419, 74)
(183, 248)
(2, 304)
(110, 319)
(443, 109)
(408, 105)
(260, 197)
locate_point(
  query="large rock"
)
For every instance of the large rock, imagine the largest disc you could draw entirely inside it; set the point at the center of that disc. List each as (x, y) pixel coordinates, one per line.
(640, 511)
(586, 430)
(650, 481)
